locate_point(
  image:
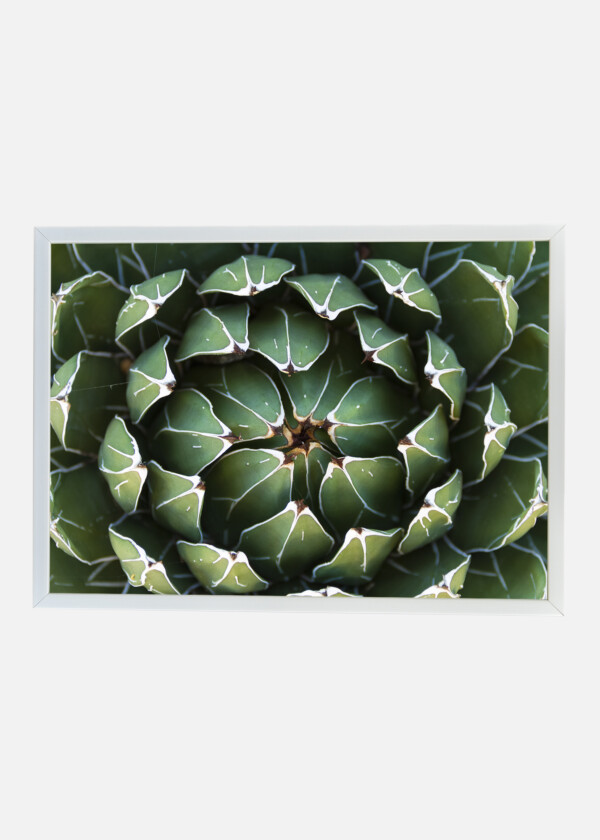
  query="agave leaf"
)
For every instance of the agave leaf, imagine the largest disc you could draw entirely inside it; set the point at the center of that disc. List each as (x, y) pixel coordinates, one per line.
(425, 451)
(287, 544)
(507, 257)
(434, 517)
(289, 337)
(315, 392)
(64, 268)
(60, 459)
(150, 379)
(120, 462)
(187, 436)
(315, 257)
(176, 500)
(384, 346)
(200, 258)
(121, 261)
(326, 592)
(138, 324)
(502, 508)
(310, 465)
(362, 554)
(81, 509)
(244, 397)
(287, 587)
(84, 313)
(221, 571)
(540, 262)
(244, 486)
(87, 392)
(445, 378)
(330, 294)
(516, 571)
(68, 575)
(411, 254)
(405, 300)
(362, 492)
(148, 557)
(219, 331)
(484, 432)
(533, 296)
(440, 258)
(247, 276)
(370, 417)
(522, 374)
(437, 570)
(531, 445)
(479, 314)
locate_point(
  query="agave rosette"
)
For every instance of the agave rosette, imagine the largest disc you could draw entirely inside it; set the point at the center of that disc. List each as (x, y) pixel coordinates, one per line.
(321, 419)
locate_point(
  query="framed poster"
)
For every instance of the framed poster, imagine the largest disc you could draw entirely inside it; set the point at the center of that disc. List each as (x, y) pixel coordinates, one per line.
(300, 419)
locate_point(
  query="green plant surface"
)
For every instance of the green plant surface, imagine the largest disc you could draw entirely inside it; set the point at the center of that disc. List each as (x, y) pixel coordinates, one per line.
(302, 419)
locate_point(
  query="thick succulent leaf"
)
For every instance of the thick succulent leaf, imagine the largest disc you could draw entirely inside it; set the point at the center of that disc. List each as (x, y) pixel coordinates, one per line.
(120, 462)
(516, 571)
(243, 396)
(200, 258)
(289, 337)
(88, 391)
(531, 445)
(221, 571)
(360, 557)
(326, 592)
(501, 509)
(150, 379)
(522, 375)
(81, 509)
(243, 487)
(219, 331)
(176, 500)
(330, 294)
(148, 556)
(287, 544)
(310, 465)
(187, 436)
(121, 261)
(362, 492)
(480, 439)
(425, 451)
(247, 276)
(434, 517)
(315, 257)
(411, 254)
(84, 312)
(405, 300)
(370, 418)
(69, 576)
(138, 324)
(64, 268)
(533, 292)
(445, 379)
(532, 297)
(437, 570)
(315, 392)
(440, 258)
(384, 346)
(479, 314)
(60, 459)
(507, 257)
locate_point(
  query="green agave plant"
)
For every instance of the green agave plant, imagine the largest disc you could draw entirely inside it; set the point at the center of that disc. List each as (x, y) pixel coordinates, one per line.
(321, 419)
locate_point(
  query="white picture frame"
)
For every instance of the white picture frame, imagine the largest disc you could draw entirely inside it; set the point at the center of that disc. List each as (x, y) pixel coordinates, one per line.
(45, 237)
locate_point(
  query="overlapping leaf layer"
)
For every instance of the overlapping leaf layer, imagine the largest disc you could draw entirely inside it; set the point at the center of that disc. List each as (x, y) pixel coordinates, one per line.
(326, 419)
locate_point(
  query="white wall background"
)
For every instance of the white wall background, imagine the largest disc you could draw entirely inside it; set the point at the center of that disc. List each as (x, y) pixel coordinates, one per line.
(296, 726)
